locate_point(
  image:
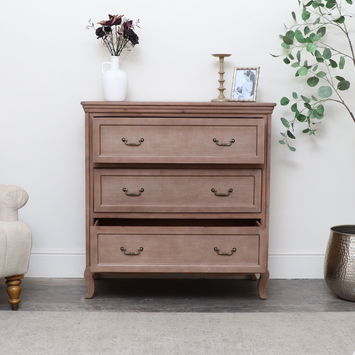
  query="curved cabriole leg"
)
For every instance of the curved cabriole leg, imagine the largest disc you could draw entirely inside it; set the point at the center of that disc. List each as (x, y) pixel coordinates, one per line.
(262, 284)
(14, 290)
(90, 283)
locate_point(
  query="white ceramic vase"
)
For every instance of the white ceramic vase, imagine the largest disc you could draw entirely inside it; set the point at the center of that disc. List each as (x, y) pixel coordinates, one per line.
(114, 80)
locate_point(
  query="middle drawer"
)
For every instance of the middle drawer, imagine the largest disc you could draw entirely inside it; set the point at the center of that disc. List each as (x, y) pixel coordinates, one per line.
(177, 190)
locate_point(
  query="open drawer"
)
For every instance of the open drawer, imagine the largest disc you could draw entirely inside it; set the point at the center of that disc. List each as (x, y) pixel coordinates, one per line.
(177, 249)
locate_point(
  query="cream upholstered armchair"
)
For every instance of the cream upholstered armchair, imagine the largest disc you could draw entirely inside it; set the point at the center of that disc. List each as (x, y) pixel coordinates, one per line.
(15, 241)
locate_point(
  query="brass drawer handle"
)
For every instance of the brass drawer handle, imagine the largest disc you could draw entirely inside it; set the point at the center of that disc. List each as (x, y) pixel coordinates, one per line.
(232, 141)
(131, 253)
(125, 141)
(133, 194)
(221, 253)
(222, 194)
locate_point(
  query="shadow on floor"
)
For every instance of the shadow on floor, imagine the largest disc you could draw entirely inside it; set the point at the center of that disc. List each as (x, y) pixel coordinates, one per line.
(177, 295)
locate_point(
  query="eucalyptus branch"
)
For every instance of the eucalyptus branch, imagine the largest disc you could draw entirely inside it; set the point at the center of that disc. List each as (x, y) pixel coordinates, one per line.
(318, 61)
(350, 44)
(336, 50)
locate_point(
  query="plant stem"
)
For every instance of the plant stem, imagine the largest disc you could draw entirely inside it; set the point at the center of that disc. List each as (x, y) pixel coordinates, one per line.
(350, 43)
(107, 45)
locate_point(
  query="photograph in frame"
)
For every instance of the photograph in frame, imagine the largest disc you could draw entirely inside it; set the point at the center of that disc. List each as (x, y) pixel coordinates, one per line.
(245, 84)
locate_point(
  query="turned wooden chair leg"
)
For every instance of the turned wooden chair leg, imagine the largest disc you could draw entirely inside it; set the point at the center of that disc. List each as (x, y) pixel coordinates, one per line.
(14, 290)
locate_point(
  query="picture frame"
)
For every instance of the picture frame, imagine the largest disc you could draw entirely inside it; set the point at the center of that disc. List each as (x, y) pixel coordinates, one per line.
(245, 84)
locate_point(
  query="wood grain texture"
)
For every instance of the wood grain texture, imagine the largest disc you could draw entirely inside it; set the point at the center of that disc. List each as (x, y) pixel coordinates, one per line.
(177, 140)
(13, 284)
(175, 249)
(167, 190)
(262, 284)
(180, 175)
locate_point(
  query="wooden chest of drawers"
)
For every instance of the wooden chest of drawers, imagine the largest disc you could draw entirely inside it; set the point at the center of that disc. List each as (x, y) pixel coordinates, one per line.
(177, 188)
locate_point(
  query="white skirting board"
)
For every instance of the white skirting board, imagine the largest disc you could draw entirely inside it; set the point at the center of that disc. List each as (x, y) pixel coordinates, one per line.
(67, 263)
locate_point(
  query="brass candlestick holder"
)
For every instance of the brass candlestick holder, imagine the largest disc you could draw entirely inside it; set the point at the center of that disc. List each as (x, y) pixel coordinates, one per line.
(221, 80)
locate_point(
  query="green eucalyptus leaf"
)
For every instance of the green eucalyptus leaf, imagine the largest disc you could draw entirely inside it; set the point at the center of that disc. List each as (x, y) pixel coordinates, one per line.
(290, 135)
(292, 149)
(285, 122)
(320, 110)
(342, 63)
(282, 141)
(305, 99)
(349, 2)
(302, 71)
(340, 78)
(287, 40)
(333, 63)
(311, 47)
(317, 21)
(305, 15)
(321, 31)
(294, 15)
(321, 74)
(325, 92)
(307, 130)
(306, 30)
(343, 85)
(341, 19)
(298, 56)
(294, 107)
(300, 117)
(330, 4)
(307, 105)
(313, 81)
(284, 45)
(317, 115)
(299, 36)
(287, 61)
(315, 68)
(291, 56)
(327, 53)
(290, 34)
(295, 95)
(314, 37)
(284, 101)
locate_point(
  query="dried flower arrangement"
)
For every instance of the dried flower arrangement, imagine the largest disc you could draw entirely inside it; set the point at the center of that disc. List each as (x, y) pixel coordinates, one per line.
(116, 33)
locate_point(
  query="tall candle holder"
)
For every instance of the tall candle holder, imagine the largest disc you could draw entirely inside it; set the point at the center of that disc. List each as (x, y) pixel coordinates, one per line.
(221, 80)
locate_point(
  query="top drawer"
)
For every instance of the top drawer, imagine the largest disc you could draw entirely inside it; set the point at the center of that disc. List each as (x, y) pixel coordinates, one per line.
(178, 140)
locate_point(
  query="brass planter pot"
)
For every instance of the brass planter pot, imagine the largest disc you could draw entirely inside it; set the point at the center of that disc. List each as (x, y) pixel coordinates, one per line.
(339, 268)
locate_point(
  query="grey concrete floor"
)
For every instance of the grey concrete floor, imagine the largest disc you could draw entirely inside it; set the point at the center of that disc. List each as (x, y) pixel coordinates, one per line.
(166, 295)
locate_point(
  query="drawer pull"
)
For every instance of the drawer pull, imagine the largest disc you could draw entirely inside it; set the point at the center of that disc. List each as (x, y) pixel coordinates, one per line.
(131, 253)
(125, 141)
(221, 194)
(221, 253)
(133, 194)
(232, 141)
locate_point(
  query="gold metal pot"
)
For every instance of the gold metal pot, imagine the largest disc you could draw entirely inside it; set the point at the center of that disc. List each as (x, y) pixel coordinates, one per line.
(339, 267)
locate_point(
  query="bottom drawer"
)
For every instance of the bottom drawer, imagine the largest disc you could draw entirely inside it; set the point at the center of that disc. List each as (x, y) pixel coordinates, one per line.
(177, 249)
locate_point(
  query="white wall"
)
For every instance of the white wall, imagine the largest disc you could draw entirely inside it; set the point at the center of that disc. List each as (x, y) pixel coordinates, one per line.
(50, 62)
